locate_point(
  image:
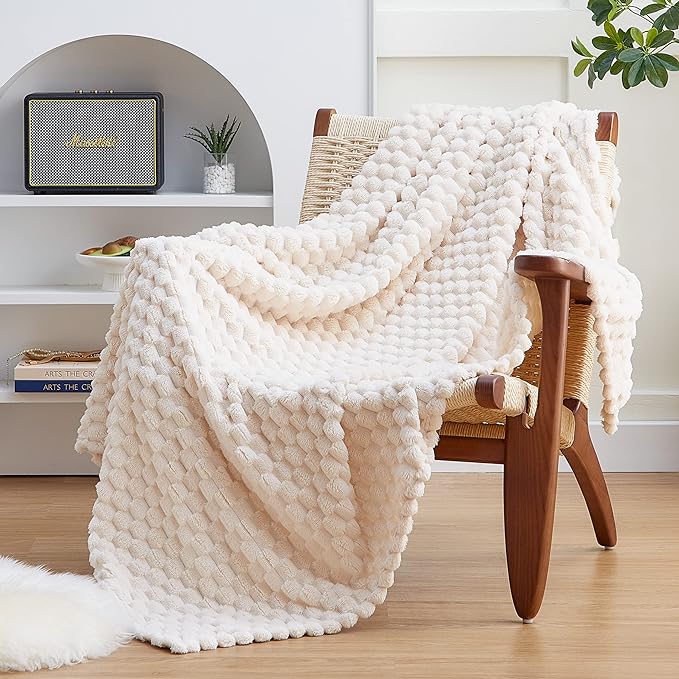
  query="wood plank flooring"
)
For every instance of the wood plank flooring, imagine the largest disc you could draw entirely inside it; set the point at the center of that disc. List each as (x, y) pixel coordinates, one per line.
(606, 614)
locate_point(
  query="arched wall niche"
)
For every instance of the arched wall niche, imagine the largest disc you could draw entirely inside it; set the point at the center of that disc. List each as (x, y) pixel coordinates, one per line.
(195, 93)
(285, 60)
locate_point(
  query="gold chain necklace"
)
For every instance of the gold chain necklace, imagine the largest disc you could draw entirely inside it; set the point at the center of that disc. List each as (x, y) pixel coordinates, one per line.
(36, 356)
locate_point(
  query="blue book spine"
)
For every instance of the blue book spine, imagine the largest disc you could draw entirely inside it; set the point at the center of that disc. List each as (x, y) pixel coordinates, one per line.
(62, 387)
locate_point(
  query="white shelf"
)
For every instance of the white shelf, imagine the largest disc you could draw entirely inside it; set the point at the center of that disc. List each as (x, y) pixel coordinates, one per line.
(160, 199)
(56, 294)
(8, 395)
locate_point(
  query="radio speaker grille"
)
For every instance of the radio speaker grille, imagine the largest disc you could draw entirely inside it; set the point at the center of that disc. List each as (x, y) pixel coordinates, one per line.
(62, 145)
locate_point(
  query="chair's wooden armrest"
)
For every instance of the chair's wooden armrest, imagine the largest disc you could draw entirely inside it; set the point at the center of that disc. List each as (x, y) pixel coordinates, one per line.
(538, 266)
(490, 391)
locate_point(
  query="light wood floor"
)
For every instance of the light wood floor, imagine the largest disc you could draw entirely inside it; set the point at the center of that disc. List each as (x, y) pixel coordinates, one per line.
(606, 614)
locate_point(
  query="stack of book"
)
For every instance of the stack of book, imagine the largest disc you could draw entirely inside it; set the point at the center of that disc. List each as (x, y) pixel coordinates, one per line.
(55, 376)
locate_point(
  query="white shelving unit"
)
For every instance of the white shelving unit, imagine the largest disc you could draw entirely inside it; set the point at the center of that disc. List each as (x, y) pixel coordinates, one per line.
(254, 199)
(55, 294)
(46, 298)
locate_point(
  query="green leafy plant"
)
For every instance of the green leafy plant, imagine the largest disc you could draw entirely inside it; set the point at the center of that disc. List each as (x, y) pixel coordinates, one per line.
(216, 143)
(633, 53)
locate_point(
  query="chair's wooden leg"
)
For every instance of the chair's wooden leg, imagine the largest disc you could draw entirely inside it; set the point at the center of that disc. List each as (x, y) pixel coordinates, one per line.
(529, 497)
(583, 460)
(531, 461)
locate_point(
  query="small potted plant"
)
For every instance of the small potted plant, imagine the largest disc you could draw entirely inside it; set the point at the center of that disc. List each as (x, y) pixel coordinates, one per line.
(635, 54)
(219, 175)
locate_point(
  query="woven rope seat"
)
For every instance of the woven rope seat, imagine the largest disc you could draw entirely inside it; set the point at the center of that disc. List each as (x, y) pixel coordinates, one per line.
(336, 157)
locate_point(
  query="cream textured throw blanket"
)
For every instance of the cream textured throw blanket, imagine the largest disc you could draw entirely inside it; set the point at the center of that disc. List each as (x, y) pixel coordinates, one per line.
(267, 405)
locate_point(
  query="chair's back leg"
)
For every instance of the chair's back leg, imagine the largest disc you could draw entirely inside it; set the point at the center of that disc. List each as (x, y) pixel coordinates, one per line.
(583, 460)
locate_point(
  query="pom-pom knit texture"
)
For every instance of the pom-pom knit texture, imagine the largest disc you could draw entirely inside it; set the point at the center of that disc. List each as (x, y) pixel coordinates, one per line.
(269, 398)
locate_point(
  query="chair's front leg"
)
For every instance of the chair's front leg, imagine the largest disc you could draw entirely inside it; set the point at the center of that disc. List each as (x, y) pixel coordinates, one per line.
(529, 497)
(531, 461)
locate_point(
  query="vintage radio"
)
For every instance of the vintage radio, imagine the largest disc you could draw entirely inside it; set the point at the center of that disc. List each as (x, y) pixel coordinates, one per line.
(93, 142)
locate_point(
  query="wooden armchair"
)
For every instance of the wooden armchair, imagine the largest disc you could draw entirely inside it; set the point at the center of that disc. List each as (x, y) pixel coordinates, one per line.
(523, 420)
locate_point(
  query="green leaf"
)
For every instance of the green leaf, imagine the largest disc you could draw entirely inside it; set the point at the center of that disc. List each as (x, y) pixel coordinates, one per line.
(630, 55)
(637, 36)
(668, 61)
(595, 6)
(617, 67)
(580, 49)
(663, 39)
(627, 39)
(611, 31)
(203, 144)
(603, 43)
(199, 133)
(625, 76)
(651, 35)
(616, 11)
(222, 132)
(655, 72)
(233, 131)
(652, 9)
(602, 63)
(636, 73)
(581, 67)
(600, 10)
(591, 76)
(620, 6)
(671, 18)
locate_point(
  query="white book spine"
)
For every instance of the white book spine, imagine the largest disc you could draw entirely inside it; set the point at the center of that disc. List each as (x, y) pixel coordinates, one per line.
(56, 371)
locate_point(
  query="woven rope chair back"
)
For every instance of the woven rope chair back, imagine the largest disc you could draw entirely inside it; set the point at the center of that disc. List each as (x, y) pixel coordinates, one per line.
(336, 158)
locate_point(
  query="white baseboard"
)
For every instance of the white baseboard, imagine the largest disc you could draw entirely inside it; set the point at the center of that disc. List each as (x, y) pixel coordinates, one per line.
(637, 446)
(645, 405)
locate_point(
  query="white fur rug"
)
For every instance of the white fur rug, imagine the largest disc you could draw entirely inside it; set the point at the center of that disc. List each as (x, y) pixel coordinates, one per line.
(52, 619)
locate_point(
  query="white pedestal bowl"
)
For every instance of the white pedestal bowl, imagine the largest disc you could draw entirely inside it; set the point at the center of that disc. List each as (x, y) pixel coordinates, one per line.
(111, 267)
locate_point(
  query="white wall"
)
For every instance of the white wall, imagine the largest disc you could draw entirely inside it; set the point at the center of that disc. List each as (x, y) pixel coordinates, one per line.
(511, 52)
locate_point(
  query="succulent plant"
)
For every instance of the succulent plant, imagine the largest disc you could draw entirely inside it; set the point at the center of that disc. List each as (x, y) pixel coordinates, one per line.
(215, 142)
